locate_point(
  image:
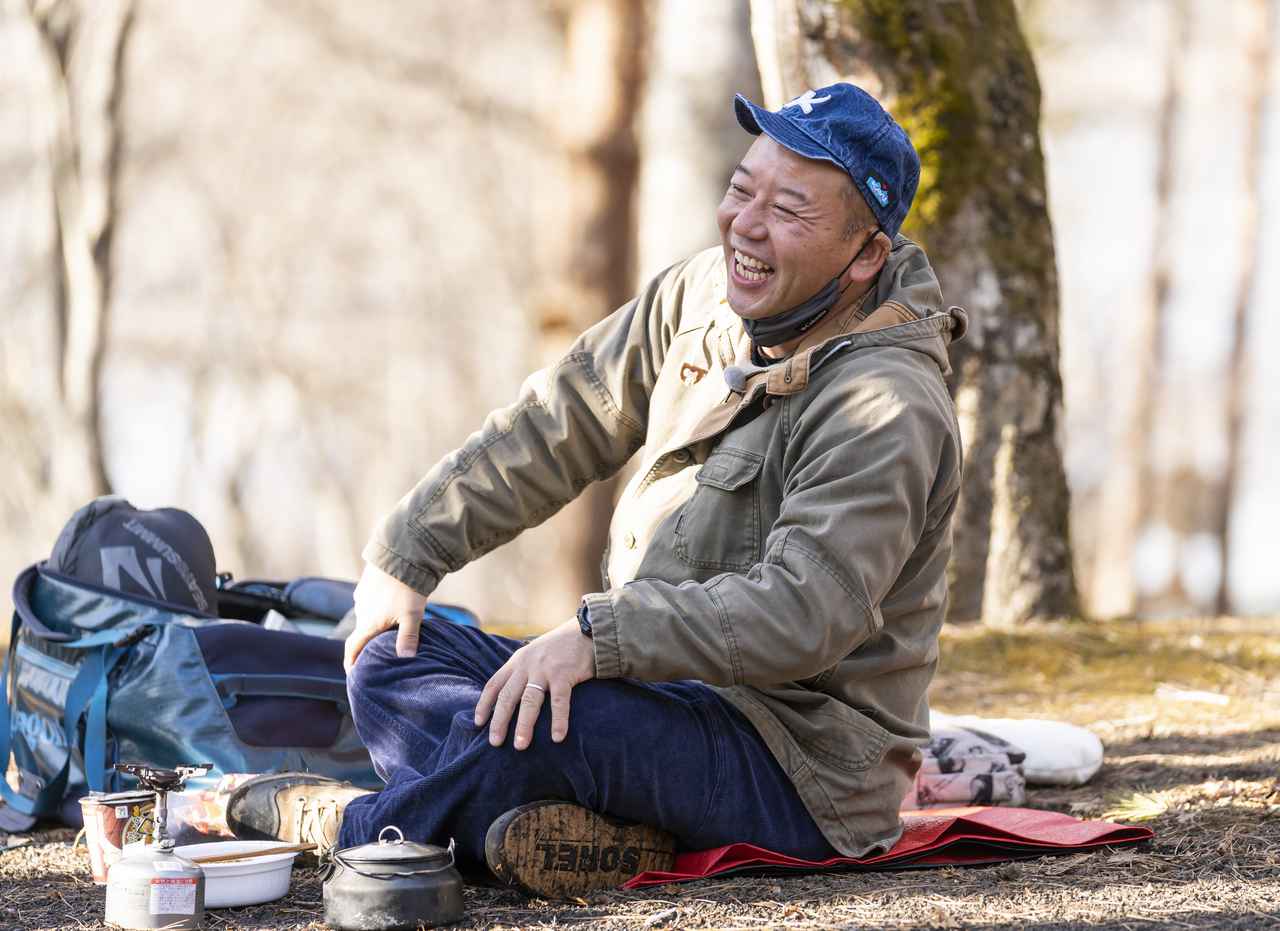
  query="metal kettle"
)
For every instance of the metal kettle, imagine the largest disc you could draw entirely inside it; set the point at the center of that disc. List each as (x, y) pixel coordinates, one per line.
(392, 884)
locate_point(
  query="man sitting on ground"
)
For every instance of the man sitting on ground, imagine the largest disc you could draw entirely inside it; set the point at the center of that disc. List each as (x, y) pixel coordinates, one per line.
(754, 667)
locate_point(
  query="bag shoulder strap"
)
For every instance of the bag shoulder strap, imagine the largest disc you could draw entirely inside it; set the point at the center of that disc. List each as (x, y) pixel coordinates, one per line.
(87, 692)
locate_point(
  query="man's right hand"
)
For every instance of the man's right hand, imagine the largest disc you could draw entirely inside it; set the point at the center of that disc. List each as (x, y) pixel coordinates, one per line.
(383, 602)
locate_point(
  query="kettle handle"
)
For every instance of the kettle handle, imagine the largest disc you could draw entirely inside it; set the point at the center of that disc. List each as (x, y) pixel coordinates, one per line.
(399, 835)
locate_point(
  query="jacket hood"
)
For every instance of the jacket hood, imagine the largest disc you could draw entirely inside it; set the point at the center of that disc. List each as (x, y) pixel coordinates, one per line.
(908, 279)
(908, 301)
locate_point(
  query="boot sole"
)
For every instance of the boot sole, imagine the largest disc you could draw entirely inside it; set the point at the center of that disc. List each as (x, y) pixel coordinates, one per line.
(559, 850)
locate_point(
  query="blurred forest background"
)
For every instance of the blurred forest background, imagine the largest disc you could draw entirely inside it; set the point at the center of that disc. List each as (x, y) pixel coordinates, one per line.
(268, 260)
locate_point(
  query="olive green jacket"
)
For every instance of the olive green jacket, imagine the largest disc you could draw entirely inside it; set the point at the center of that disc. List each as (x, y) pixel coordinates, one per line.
(785, 538)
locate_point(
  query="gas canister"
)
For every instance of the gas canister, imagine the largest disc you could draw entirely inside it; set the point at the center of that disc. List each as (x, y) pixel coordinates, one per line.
(151, 886)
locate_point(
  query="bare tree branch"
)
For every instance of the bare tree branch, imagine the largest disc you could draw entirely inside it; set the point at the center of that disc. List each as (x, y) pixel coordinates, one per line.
(1260, 66)
(84, 204)
(345, 43)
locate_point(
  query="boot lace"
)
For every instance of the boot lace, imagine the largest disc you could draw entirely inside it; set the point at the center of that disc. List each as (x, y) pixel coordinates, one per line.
(317, 821)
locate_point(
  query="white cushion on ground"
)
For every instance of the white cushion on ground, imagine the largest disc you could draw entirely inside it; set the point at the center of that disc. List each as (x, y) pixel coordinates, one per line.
(1058, 754)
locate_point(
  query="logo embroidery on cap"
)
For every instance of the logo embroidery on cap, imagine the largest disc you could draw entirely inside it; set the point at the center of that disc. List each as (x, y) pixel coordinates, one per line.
(877, 189)
(806, 101)
(117, 558)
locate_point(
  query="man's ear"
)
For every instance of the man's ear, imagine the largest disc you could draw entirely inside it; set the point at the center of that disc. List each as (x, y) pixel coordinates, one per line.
(874, 254)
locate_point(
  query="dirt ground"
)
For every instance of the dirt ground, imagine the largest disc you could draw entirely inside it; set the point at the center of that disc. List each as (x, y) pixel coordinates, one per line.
(1189, 712)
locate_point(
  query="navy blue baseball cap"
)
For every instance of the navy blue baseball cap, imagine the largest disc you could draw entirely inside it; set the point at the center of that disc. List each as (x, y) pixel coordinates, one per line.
(164, 554)
(846, 126)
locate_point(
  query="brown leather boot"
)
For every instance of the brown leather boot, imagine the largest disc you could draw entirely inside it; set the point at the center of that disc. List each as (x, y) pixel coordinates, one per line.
(296, 808)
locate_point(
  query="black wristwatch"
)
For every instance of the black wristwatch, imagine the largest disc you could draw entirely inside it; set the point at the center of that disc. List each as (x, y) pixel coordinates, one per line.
(584, 620)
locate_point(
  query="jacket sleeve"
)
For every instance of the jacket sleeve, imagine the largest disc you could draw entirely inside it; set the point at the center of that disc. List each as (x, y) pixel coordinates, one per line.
(573, 423)
(863, 461)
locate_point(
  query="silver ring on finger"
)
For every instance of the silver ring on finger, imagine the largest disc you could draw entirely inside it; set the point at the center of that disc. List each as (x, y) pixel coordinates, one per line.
(534, 685)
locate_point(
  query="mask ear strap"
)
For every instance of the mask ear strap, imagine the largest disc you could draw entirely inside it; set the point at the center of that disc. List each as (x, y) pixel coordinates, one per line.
(857, 255)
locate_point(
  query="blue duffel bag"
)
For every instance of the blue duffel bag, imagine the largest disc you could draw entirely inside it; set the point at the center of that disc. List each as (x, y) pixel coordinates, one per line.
(96, 675)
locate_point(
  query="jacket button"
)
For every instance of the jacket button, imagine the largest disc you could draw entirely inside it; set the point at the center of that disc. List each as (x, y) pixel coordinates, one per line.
(681, 456)
(629, 541)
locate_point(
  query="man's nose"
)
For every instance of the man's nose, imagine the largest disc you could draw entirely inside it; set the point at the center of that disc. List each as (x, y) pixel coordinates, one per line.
(749, 221)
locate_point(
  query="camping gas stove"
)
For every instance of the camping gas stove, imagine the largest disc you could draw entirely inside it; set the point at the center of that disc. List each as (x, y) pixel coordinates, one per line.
(152, 887)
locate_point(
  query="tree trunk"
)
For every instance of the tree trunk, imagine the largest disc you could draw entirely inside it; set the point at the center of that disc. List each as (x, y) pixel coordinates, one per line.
(84, 50)
(1134, 515)
(1238, 368)
(960, 80)
(700, 57)
(605, 42)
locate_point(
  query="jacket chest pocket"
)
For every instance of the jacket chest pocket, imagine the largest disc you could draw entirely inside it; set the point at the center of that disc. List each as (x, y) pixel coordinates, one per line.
(719, 526)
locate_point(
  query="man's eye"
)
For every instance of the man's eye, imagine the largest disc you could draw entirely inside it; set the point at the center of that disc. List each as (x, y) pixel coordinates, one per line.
(784, 211)
(737, 189)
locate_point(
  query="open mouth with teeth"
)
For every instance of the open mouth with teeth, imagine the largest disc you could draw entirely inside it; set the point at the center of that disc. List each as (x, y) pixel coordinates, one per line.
(750, 269)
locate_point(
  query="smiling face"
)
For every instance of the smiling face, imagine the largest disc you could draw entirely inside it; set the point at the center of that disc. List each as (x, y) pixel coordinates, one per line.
(784, 227)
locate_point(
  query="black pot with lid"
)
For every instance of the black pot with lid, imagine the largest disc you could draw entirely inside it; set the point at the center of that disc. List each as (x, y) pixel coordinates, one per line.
(392, 884)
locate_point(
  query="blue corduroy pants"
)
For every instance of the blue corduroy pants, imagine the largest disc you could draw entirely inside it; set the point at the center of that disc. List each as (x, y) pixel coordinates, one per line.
(670, 754)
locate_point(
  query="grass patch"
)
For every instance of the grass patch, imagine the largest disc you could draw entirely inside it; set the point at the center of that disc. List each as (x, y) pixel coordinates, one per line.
(1070, 669)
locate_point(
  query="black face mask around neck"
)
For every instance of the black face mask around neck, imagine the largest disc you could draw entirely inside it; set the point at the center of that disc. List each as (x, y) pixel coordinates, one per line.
(783, 327)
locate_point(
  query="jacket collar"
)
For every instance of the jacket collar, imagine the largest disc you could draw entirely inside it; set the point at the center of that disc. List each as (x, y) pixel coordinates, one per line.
(906, 311)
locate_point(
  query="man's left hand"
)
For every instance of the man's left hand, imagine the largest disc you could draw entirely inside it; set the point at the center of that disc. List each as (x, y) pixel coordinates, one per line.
(548, 667)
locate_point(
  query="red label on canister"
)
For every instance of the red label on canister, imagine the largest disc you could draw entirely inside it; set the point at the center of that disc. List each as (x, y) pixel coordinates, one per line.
(173, 896)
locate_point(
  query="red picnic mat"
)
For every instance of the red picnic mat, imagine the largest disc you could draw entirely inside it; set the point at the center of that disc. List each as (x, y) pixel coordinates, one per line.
(934, 837)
